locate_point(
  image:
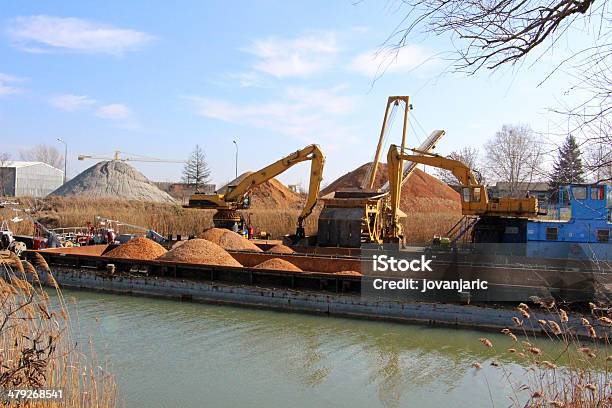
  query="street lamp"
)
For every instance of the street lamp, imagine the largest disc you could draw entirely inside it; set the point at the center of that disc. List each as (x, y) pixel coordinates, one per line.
(65, 156)
(236, 144)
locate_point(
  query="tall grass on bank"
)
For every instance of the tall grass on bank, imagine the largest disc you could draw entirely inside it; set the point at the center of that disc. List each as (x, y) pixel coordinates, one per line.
(37, 347)
(53, 212)
(578, 376)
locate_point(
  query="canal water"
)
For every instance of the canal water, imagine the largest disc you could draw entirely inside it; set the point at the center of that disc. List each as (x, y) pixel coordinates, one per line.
(174, 354)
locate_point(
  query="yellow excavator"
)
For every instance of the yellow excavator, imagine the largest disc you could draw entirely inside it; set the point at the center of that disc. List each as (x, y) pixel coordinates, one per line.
(475, 200)
(235, 197)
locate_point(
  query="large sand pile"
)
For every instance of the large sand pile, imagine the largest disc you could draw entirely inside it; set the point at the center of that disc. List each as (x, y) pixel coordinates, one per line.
(353, 179)
(200, 251)
(422, 192)
(281, 249)
(137, 248)
(229, 240)
(271, 194)
(114, 179)
(278, 264)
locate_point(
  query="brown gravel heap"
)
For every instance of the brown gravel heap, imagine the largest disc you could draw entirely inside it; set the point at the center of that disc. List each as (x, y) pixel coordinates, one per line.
(281, 249)
(350, 273)
(279, 264)
(200, 251)
(229, 240)
(137, 248)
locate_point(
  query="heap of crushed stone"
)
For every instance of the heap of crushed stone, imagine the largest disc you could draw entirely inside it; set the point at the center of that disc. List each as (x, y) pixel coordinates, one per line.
(422, 192)
(281, 249)
(114, 179)
(349, 273)
(279, 264)
(200, 251)
(137, 248)
(269, 194)
(229, 240)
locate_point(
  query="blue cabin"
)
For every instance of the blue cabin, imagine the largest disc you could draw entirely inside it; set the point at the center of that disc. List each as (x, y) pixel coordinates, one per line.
(585, 235)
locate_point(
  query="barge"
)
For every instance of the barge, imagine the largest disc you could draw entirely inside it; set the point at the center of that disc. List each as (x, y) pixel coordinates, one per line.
(322, 288)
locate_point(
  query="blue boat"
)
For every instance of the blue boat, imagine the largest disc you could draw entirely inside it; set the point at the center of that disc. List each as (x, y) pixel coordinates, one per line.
(585, 235)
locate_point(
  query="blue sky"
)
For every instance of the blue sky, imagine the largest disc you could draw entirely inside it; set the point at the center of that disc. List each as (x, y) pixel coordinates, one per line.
(153, 78)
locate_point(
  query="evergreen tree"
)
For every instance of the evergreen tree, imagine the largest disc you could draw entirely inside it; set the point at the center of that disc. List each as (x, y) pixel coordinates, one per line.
(196, 171)
(568, 165)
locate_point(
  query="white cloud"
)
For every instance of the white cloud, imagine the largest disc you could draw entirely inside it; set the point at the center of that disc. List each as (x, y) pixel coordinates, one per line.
(298, 57)
(114, 111)
(305, 114)
(41, 33)
(7, 84)
(70, 102)
(374, 63)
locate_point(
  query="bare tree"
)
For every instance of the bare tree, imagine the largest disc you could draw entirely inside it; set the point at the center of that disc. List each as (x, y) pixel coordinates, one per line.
(598, 160)
(196, 171)
(514, 156)
(467, 155)
(43, 153)
(488, 34)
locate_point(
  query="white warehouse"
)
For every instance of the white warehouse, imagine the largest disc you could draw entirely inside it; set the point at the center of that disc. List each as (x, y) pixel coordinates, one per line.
(29, 179)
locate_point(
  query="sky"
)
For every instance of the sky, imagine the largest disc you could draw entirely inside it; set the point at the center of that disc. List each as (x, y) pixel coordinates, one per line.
(155, 78)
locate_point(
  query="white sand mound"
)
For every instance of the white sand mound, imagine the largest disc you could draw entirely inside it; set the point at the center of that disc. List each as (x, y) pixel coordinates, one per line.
(114, 179)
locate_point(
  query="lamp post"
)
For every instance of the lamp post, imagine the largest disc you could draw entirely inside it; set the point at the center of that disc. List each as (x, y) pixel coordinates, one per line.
(236, 144)
(65, 156)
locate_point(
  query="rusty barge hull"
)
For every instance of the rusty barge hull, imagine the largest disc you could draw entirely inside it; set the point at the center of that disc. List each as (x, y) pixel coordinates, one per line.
(323, 292)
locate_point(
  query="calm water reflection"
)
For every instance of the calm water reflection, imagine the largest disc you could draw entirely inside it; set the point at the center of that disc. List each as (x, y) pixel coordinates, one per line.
(173, 354)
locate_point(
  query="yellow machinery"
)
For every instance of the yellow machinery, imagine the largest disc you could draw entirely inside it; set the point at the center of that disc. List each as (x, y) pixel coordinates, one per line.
(236, 196)
(354, 216)
(475, 200)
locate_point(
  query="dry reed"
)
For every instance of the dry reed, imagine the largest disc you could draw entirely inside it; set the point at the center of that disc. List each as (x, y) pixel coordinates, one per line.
(166, 219)
(37, 348)
(574, 375)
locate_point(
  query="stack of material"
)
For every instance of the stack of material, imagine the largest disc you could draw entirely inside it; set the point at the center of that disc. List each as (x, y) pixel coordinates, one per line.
(281, 249)
(200, 251)
(353, 179)
(270, 194)
(113, 179)
(278, 264)
(349, 273)
(422, 192)
(137, 248)
(229, 240)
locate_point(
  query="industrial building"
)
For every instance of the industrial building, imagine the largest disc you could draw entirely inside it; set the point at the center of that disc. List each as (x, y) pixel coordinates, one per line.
(29, 179)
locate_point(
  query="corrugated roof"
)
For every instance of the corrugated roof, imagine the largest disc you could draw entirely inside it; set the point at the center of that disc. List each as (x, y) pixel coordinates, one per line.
(20, 164)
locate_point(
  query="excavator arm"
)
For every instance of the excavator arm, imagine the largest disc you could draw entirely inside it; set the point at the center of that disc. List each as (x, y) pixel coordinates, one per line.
(474, 196)
(234, 197)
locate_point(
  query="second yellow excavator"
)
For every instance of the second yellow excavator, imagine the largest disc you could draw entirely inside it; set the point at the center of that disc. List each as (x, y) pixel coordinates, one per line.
(475, 200)
(235, 197)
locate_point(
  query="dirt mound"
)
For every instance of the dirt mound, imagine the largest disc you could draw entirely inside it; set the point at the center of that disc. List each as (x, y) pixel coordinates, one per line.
(349, 273)
(279, 264)
(271, 194)
(137, 248)
(114, 179)
(353, 179)
(200, 251)
(422, 192)
(281, 249)
(229, 240)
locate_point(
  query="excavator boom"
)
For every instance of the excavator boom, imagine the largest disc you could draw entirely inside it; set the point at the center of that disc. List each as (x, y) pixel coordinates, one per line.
(474, 196)
(235, 197)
